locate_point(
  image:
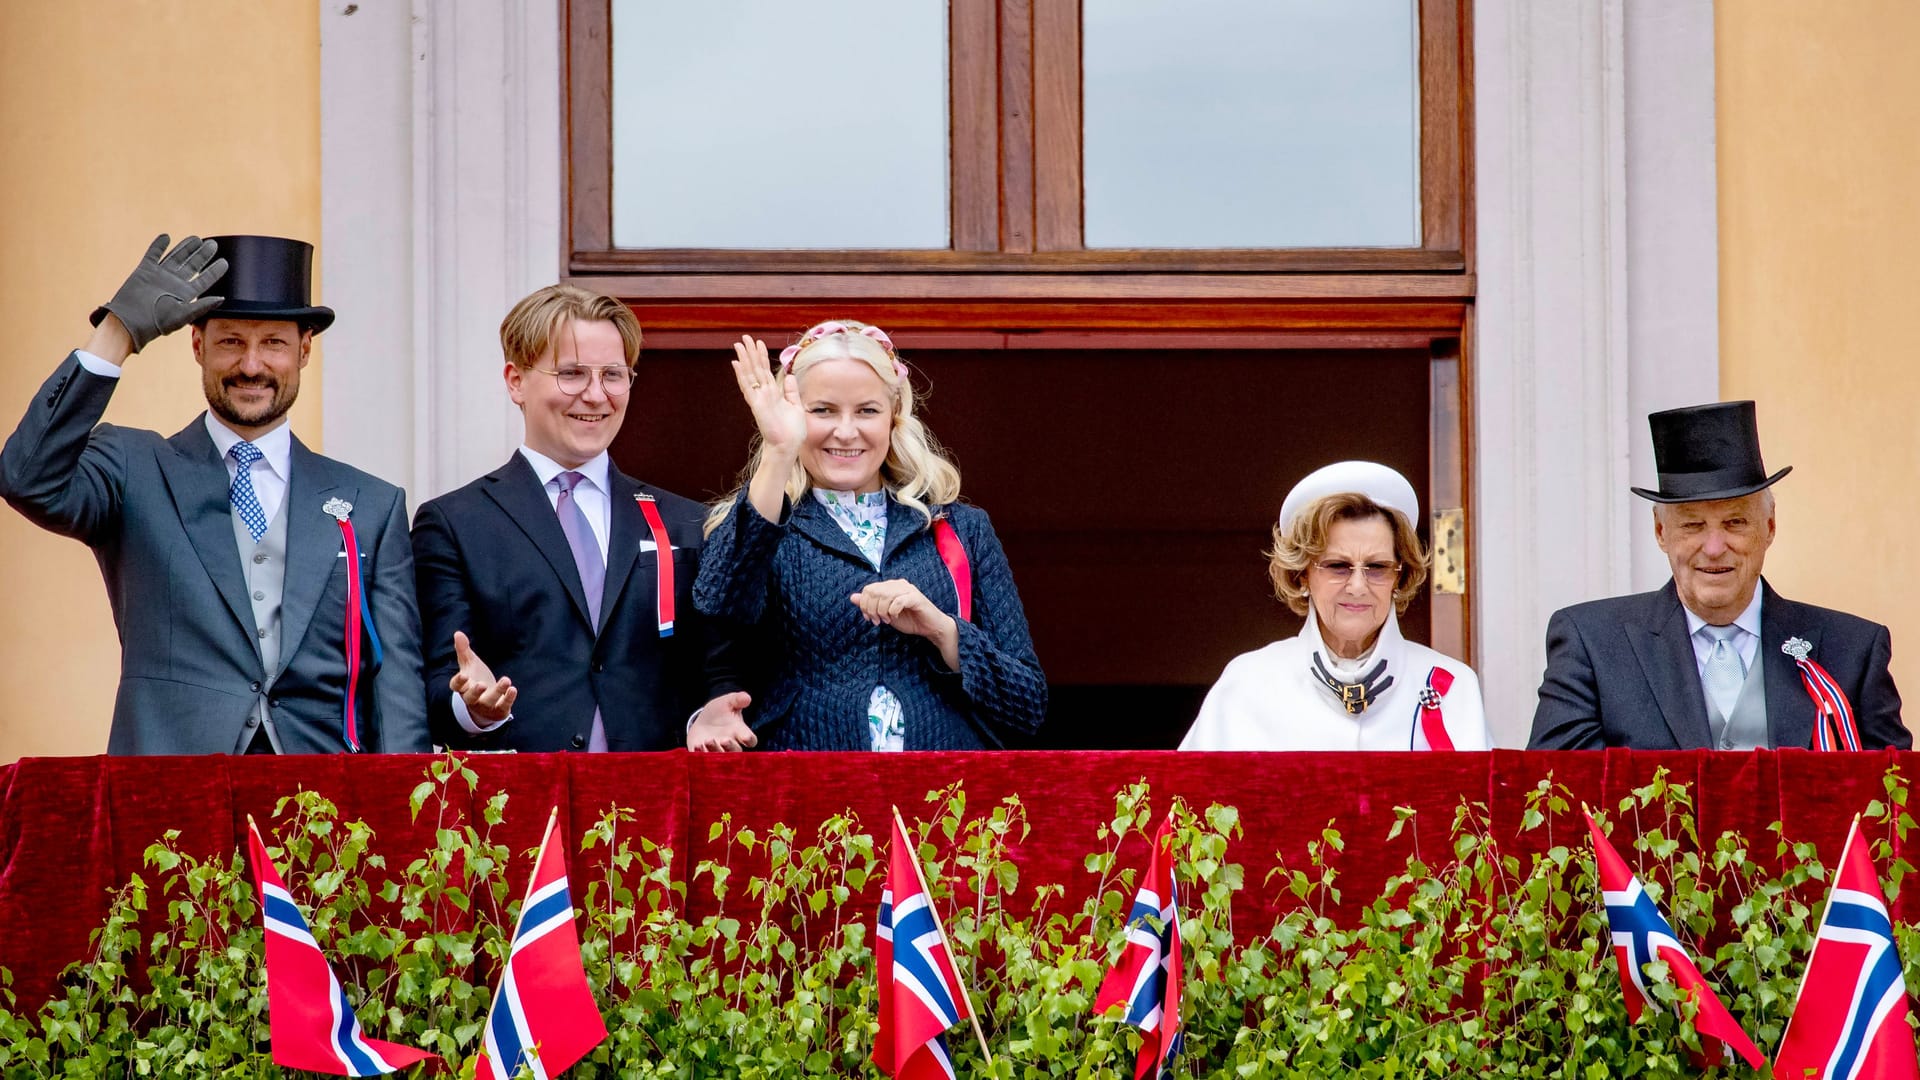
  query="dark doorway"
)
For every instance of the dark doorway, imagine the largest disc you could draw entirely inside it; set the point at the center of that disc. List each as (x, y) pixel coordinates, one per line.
(1134, 491)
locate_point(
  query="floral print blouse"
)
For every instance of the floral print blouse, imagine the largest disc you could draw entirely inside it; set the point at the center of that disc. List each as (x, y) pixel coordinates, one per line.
(864, 519)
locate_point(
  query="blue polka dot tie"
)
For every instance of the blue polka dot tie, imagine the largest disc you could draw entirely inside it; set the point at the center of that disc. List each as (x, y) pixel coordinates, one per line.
(245, 503)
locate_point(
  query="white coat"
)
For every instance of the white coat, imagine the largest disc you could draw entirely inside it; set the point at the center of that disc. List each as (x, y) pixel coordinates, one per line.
(1270, 699)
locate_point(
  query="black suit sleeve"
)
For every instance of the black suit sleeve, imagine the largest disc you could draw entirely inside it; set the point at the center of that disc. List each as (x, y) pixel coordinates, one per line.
(402, 708)
(1568, 716)
(445, 606)
(1877, 705)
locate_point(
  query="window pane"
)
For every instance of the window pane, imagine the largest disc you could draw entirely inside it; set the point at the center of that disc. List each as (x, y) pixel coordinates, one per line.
(774, 124)
(1252, 123)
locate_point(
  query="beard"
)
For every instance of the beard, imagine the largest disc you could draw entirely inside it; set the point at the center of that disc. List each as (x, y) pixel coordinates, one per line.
(220, 399)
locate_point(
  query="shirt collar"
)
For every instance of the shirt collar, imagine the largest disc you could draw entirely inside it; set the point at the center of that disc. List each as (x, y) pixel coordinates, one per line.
(1749, 619)
(276, 446)
(593, 472)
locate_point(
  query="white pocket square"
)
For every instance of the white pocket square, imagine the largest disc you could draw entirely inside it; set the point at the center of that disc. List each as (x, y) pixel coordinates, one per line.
(648, 545)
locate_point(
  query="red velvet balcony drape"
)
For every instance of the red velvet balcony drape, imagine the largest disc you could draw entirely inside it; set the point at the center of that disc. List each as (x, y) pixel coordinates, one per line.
(72, 829)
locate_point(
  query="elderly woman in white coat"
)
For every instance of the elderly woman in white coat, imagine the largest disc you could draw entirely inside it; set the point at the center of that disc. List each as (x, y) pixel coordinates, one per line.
(1345, 555)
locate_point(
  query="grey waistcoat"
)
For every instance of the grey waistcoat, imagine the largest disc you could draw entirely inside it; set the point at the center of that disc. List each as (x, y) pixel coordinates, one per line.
(1747, 728)
(264, 565)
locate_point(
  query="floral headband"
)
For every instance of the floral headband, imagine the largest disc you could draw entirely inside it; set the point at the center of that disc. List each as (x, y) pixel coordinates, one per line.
(832, 327)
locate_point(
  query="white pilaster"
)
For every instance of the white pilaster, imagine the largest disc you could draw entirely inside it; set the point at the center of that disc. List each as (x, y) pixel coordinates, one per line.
(441, 203)
(1597, 284)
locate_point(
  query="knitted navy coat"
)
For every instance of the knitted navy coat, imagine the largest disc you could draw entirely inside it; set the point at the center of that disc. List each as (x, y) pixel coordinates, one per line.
(819, 659)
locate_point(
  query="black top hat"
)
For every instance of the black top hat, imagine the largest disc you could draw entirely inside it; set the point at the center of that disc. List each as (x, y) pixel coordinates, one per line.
(1707, 452)
(268, 277)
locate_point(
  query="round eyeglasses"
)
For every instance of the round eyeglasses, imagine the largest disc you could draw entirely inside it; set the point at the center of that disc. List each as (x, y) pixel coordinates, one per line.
(616, 381)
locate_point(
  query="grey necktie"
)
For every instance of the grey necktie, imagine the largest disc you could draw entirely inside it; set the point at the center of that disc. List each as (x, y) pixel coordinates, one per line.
(592, 567)
(1723, 673)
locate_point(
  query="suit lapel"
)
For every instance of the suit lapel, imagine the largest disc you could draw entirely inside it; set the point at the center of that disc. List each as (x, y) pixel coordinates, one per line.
(515, 488)
(1790, 714)
(314, 543)
(1665, 652)
(812, 520)
(198, 482)
(626, 528)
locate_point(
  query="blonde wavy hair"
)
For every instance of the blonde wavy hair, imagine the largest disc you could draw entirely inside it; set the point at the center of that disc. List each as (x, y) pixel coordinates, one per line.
(1303, 543)
(917, 473)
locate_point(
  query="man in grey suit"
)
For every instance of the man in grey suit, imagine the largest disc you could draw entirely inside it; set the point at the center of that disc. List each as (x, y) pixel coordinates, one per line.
(1714, 660)
(263, 593)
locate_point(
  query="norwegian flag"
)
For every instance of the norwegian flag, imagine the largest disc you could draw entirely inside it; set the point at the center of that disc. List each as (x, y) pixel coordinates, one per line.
(919, 990)
(309, 1021)
(544, 1017)
(1641, 935)
(1850, 1020)
(1147, 976)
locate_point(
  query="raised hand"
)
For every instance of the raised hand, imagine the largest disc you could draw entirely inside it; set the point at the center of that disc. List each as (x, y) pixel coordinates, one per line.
(163, 294)
(901, 605)
(773, 396)
(489, 700)
(722, 725)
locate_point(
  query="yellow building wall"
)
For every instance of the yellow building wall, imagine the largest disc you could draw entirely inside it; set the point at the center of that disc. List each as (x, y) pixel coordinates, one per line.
(1818, 106)
(120, 120)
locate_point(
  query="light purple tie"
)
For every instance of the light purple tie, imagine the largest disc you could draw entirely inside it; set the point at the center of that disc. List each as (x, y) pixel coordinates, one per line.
(592, 567)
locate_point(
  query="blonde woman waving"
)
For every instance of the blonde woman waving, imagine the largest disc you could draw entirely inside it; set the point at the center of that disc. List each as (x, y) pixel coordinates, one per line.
(885, 610)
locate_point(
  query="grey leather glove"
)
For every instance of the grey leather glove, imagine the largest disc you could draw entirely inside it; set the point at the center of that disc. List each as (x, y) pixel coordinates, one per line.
(163, 294)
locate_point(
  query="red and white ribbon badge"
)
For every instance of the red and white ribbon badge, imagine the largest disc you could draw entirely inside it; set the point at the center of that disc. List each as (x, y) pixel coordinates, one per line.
(662, 561)
(1439, 681)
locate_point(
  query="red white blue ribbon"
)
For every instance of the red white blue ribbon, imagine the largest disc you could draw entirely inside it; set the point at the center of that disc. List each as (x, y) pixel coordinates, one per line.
(356, 613)
(1432, 724)
(1834, 727)
(663, 563)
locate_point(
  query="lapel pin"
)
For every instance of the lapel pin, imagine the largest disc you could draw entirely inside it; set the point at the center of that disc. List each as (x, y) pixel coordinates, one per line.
(1798, 648)
(337, 509)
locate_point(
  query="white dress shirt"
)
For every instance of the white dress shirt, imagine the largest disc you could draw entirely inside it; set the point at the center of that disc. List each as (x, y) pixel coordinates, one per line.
(1747, 641)
(593, 494)
(269, 472)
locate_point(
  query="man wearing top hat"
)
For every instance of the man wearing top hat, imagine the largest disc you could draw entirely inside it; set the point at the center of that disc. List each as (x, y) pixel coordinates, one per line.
(249, 576)
(1715, 659)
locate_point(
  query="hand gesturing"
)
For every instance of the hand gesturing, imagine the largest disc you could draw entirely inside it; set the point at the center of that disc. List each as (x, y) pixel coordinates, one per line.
(773, 396)
(489, 700)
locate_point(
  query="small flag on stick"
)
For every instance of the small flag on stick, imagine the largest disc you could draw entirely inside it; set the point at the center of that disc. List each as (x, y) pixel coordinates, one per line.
(1850, 1020)
(1147, 976)
(920, 992)
(1642, 935)
(544, 1016)
(309, 1021)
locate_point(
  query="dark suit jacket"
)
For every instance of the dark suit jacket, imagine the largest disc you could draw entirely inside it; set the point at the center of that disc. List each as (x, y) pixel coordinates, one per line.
(494, 563)
(1621, 672)
(156, 513)
(819, 659)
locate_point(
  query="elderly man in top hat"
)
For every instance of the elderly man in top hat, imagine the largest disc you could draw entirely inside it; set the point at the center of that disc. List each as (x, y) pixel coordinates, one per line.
(263, 593)
(1717, 659)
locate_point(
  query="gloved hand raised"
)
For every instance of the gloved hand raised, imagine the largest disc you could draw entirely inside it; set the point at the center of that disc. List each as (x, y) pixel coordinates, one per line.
(163, 294)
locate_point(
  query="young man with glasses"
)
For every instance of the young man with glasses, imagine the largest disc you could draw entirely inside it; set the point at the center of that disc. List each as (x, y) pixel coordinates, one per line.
(557, 590)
